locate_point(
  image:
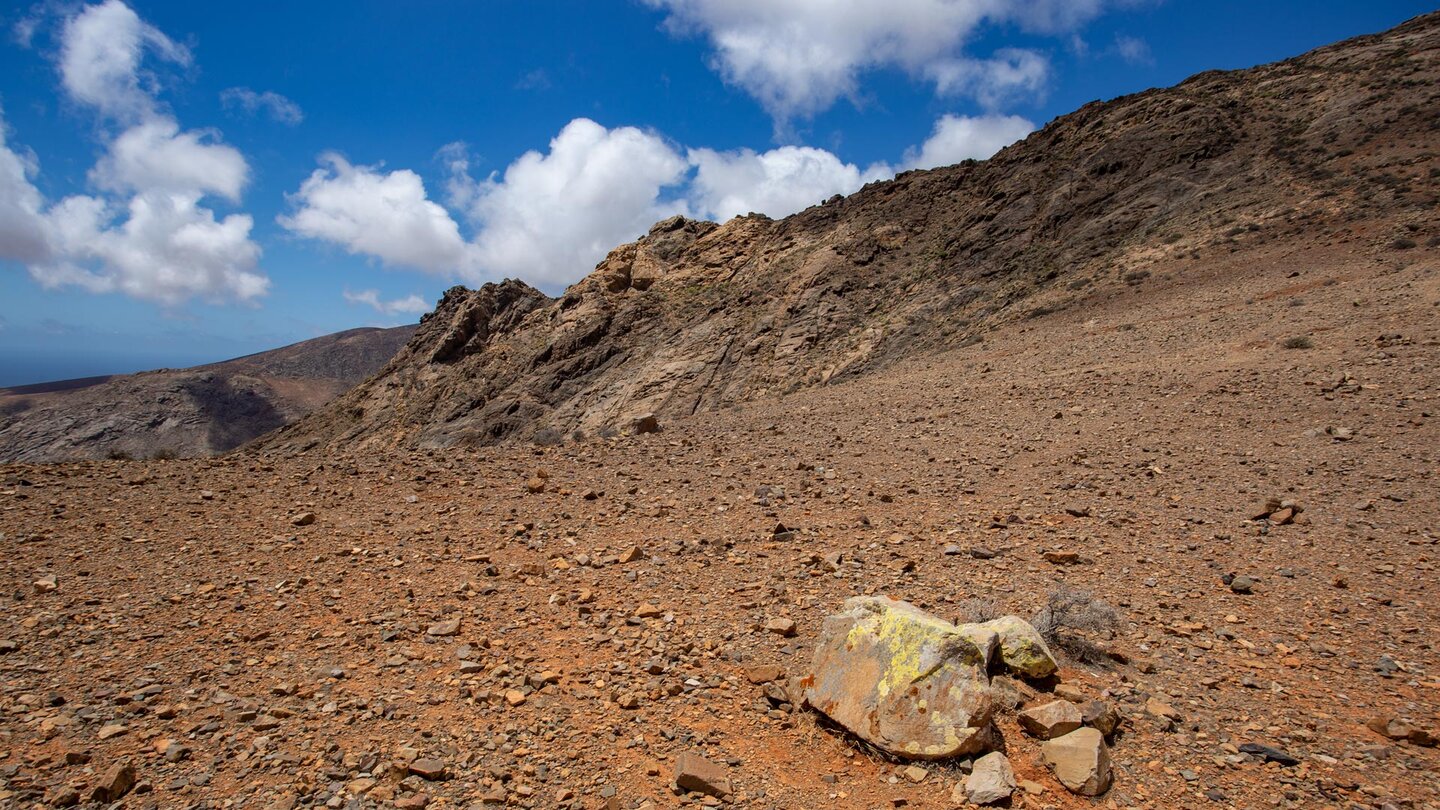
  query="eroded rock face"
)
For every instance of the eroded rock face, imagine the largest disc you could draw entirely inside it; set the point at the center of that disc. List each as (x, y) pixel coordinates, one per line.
(903, 680)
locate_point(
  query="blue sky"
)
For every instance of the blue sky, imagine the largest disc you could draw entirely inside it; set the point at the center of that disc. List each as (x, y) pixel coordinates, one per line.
(187, 182)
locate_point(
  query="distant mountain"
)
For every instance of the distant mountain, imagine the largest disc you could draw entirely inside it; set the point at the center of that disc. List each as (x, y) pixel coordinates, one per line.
(188, 412)
(1335, 145)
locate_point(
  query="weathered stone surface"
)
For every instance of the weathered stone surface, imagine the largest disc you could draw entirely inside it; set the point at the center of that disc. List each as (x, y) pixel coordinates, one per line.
(694, 772)
(114, 783)
(903, 680)
(426, 768)
(1080, 760)
(1100, 716)
(448, 627)
(990, 782)
(1021, 647)
(1054, 719)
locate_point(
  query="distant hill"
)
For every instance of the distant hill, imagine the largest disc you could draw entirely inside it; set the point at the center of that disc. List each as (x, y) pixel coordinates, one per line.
(188, 412)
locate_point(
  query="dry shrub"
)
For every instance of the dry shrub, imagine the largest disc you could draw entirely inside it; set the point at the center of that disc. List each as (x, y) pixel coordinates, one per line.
(975, 611)
(1071, 621)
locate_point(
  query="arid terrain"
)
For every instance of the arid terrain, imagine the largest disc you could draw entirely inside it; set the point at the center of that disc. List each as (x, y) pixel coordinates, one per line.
(188, 412)
(1197, 381)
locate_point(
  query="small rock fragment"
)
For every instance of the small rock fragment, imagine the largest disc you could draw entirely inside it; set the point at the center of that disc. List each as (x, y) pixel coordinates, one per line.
(1054, 719)
(781, 626)
(696, 773)
(1100, 716)
(115, 783)
(428, 768)
(991, 781)
(448, 627)
(1269, 754)
(762, 673)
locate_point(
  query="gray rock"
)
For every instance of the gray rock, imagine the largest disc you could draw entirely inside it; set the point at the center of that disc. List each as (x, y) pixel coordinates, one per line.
(991, 781)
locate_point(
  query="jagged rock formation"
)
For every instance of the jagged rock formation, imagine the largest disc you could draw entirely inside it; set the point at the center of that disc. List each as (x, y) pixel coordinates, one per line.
(696, 316)
(188, 412)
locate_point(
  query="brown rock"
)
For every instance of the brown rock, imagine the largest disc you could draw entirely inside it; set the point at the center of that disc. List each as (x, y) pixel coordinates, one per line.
(303, 519)
(991, 781)
(1100, 716)
(781, 626)
(696, 773)
(762, 673)
(428, 768)
(448, 627)
(1080, 761)
(1054, 719)
(1160, 708)
(114, 783)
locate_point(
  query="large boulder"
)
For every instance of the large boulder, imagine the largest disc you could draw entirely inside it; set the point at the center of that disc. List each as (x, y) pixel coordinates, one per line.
(905, 681)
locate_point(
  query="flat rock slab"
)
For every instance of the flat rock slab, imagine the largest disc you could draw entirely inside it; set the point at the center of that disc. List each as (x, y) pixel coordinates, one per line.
(905, 681)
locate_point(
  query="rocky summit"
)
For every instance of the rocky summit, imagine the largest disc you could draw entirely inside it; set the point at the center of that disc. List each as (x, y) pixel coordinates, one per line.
(1098, 474)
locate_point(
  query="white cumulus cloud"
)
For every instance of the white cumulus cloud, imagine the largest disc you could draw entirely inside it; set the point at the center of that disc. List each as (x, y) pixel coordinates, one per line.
(278, 107)
(383, 214)
(101, 52)
(158, 246)
(155, 155)
(959, 137)
(547, 219)
(777, 183)
(409, 305)
(24, 234)
(797, 57)
(550, 217)
(146, 232)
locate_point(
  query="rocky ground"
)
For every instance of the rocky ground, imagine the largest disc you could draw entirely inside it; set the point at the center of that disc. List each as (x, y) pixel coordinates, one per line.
(557, 626)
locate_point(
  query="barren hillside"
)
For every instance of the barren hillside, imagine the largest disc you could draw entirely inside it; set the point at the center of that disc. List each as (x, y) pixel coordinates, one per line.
(188, 412)
(1337, 146)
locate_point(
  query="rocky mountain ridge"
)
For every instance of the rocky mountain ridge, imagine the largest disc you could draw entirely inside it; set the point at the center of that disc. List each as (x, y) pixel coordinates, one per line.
(696, 316)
